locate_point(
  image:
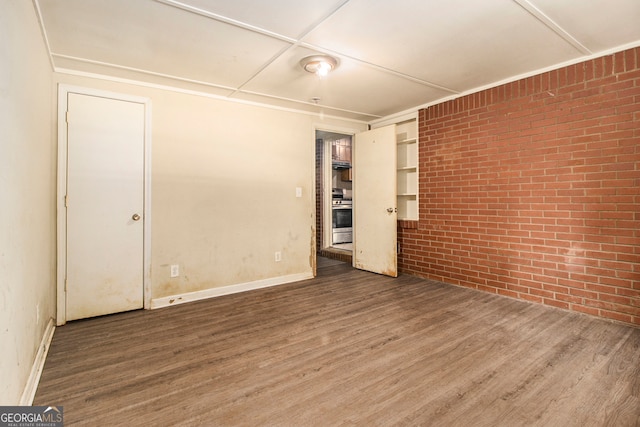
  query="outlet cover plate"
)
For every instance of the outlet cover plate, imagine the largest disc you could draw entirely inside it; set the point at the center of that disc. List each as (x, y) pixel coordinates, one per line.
(175, 270)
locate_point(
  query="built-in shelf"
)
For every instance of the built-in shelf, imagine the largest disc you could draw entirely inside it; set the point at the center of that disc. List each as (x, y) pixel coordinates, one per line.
(407, 169)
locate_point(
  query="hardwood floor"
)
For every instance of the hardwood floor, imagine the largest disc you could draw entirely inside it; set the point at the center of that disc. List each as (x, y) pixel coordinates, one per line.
(346, 348)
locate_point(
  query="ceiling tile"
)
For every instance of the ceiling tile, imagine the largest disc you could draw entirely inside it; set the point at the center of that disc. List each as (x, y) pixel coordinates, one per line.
(290, 18)
(597, 24)
(352, 86)
(457, 44)
(321, 110)
(127, 75)
(151, 36)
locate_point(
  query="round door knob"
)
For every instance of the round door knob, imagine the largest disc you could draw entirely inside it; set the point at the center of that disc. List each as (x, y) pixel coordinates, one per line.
(135, 217)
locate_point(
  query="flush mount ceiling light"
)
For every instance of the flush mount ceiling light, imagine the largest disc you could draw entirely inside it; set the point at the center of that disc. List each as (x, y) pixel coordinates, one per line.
(319, 64)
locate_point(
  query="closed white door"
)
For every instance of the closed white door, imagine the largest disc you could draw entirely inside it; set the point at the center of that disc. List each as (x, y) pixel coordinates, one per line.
(375, 235)
(105, 206)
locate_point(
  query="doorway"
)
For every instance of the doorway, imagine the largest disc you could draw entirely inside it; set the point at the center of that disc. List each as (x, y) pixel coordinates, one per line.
(103, 203)
(357, 173)
(334, 197)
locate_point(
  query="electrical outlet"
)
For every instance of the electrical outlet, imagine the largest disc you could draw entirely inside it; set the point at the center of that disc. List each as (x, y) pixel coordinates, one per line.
(175, 270)
(278, 256)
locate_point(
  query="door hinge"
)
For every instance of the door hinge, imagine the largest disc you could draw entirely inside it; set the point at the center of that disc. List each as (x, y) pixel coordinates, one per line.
(66, 205)
(66, 117)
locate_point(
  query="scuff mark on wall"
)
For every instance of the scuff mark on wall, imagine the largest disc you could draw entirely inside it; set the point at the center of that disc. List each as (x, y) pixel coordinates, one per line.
(575, 254)
(312, 251)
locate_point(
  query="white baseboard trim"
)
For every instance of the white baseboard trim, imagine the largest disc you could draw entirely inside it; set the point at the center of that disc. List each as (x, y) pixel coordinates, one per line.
(226, 290)
(38, 365)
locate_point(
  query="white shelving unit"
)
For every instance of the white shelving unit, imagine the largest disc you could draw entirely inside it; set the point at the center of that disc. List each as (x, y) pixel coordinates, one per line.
(407, 169)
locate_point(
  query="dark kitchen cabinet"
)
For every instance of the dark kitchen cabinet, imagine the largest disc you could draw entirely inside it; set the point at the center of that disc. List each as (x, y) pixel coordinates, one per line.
(341, 150)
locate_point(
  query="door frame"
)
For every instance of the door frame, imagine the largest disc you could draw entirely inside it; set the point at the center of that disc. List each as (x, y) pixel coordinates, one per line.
(326, 167)
(63, 92)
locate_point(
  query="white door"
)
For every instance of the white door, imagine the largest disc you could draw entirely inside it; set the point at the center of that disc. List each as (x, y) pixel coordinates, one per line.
(105, 206)
(375, 239)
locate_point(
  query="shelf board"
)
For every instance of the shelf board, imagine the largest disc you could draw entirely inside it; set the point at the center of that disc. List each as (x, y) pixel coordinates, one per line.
(408, 141)
(407, 168)
(407, 194)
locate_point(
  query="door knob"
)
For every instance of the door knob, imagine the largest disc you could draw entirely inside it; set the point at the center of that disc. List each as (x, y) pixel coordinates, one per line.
(135, 217)
(391, 210)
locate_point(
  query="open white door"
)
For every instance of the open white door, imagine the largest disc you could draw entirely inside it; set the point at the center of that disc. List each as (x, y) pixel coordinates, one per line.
(374, 196)
(105, 205)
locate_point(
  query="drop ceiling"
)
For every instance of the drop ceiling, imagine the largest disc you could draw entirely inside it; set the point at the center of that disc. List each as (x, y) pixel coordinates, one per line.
(394, 55)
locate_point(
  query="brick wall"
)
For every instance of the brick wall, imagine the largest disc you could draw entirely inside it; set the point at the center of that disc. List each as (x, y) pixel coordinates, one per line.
(319, 193)
(532, 190)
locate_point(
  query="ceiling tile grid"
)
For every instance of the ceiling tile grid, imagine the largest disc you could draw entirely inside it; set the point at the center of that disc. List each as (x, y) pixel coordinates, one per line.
(393, 55)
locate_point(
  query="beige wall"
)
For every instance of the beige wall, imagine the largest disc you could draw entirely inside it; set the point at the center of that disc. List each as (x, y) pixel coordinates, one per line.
(224, 178)
(27, 188)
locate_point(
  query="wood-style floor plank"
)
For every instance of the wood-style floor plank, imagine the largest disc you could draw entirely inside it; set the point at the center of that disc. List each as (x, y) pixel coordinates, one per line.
(346, 348)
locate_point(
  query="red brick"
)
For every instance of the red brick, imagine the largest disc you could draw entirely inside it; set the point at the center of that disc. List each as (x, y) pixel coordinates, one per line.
(616, 299)
(556, 303)
(616, 316)
(588, 310)
(584, 294)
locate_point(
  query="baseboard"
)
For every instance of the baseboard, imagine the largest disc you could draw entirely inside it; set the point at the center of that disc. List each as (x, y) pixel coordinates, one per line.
(226, 290)
(38, 364)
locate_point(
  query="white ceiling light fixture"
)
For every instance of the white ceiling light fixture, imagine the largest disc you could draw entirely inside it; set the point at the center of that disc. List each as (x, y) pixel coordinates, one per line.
(319, 64)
